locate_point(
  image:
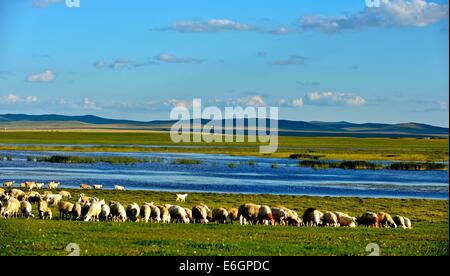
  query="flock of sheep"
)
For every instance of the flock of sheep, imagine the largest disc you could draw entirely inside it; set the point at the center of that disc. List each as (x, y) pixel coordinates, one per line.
(16, 201)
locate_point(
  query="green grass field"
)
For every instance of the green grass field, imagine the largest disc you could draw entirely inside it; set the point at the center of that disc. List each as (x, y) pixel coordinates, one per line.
(327, 148)
(429, 236)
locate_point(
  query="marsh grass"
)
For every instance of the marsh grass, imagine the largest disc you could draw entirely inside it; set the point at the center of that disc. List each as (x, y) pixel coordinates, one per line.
(365, 165)
(88, 160)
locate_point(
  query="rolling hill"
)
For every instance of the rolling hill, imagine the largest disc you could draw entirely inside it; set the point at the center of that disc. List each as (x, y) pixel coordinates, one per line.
(286, 127)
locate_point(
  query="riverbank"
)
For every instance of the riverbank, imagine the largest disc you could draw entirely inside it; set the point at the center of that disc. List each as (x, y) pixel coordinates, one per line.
(325, 148)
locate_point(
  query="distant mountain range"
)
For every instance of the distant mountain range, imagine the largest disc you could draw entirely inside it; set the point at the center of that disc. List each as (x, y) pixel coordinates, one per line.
(286, 127)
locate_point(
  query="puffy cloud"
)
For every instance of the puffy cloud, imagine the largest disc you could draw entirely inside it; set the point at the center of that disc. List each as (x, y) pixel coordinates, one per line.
(330, 98)
(391, 13)
(179, 103)
(44, 76)
(89, 104)
(31, 99)
(297, 102)
(173, 59)
(12, 98)
(16, 99)
(209, 26)
(291, 60)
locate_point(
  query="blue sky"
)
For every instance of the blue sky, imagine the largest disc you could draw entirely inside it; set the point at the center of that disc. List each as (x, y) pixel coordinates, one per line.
(316, 60)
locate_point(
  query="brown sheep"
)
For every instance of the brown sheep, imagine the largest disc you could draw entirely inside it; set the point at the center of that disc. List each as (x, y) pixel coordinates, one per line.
(220, 215)
(65, 209)
(44, 210)
(248, 213)
(386, 220)
(369, 219)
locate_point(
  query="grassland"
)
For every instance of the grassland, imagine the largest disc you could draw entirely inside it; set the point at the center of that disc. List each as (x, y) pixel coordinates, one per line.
(323, 148)
(429, 236)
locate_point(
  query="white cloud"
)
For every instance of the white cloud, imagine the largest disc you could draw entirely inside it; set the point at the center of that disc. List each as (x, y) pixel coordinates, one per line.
(12, 98)
(45, 3)
(391, 13)
(121, 63)
(44, 76)
(331, 98)
(209, 26)
(179, 103)
(297, 102)
(89, 104)
(443, 105)
(31, 99)
(281, 30)
(291, 60)
(16, 99)
(173, 59)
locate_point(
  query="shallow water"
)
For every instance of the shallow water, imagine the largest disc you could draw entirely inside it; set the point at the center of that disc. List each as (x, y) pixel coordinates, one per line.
(214, 175)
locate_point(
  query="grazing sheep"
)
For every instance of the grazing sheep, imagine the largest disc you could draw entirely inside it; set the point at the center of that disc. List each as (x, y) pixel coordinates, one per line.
(220, 215)
(386, 220)
(146, 212)
(407, 223)
(76, 211)
(65, 194)
(200, 213)
(85, 210)
(181, 197)
(248, 213)
(44, 210)
(84, 187)
(177, 213)
(164, 214)
(65, 209)
(16, 193)
(25, 208)
(346, 220)
(83, 199)
(279, 215)
(2, 191)
(368, 219)
(119, 188)
(312, 217)
(265, 215)
(97, 187)
(155, 214)
(233, 214)
(30, 184)
(104, 212)
(52, 199)
(93, 212)
(39, 185)
(330, 219)
(399, 221)
(32, 197)
(292, 217)
(133, 212)
(188, 214)
(118, 212)
(8, 184)
(52, 185)
(10, 208)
